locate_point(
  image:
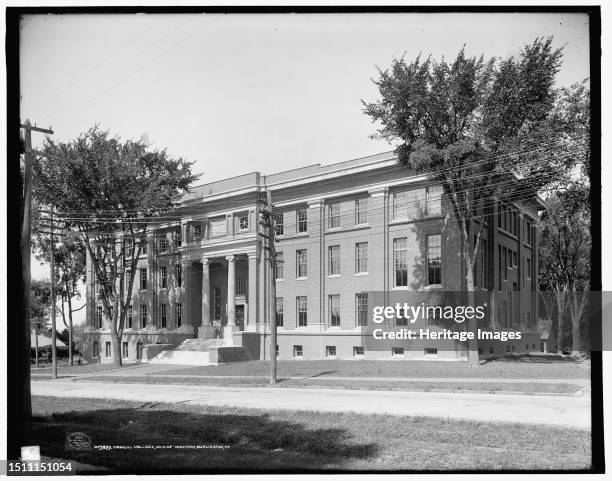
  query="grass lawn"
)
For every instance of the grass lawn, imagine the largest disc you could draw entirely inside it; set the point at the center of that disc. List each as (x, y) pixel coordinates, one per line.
(76, 369)
(259, 440)
(502, 368)
(321, 382)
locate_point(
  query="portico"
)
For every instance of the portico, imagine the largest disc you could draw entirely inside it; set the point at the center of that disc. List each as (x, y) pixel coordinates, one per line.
(228, 294)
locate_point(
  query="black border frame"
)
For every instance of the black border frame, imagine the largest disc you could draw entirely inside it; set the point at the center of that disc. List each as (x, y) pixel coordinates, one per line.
(17, 369)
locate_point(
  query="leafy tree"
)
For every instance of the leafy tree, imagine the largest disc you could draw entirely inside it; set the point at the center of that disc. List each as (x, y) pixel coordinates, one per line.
(108, 192)
(462, 122)
(40, 304)
(70, 263)
(565, 268)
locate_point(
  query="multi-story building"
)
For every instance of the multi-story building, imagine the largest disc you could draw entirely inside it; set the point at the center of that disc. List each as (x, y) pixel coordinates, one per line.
(344, 231)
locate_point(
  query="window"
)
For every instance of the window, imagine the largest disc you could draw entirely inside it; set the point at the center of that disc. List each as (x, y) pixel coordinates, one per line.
(333, 267)
(143, 278)
(130, 317)
(499, 267)
(432, 352)
(96, 349)
(128, 279)
(217, 300)
(298, 351)
(163, 272)
(179, 275)
(505, 263)
(143, 315)
(416, 203)
(162, 311)
(434, 200)
(358, 351)
(302, 220)
(129, 248)
(243, 223)
(241, 284)
(361, 308)
(400, 261)
(434, 259)
(490, 349)
(528, 232)
(301, 263)
(334, 215)
(143, 247)
(163, 243)
(302, 311)
(528, 268)
(361, 211)
(334, 310)
(197, 231)
(139, 351)
(178, 238)
(179, 314)
(280, 313)
(107, 349)
(397, 352)
(99, 317)
(361, 257)
(280, 271)
(124, 350)
(279, 227)
(330, 351)
(514, 259)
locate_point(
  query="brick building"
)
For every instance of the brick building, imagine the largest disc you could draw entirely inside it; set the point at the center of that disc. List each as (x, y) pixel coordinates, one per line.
(348, 230)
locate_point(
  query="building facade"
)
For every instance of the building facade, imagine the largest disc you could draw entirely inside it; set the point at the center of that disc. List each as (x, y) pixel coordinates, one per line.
(346, 233)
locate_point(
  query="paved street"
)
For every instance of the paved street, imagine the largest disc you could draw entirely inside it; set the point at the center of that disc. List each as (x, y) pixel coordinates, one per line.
(573, 411)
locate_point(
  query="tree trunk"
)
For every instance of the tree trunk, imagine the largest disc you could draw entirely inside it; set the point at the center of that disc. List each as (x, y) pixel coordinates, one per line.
(116, 347)
(472, 323)
(36, 341)
(561, 307)
(70, 358)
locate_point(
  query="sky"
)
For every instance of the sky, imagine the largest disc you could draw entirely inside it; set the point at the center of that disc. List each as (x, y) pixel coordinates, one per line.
(239, 93)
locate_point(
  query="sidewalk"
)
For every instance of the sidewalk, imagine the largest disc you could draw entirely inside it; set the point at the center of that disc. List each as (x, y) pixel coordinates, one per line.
(573, 411)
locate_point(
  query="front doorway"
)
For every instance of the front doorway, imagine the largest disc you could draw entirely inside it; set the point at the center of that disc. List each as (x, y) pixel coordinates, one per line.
(240, 316)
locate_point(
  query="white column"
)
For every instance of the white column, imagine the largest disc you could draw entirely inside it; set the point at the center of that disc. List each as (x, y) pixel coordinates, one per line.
(252, 293)
(205, 292)
(185, 295)
(205, 331)
(231, 291)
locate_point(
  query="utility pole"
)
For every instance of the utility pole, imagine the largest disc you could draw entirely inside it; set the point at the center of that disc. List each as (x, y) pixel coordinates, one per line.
(25, 257)
(267, 220)
(53, 333)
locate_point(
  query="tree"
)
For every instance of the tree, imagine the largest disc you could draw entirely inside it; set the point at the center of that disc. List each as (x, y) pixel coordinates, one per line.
(40, 304)
(69, 258)
(462, 121)
(108, 193)
(565, 253)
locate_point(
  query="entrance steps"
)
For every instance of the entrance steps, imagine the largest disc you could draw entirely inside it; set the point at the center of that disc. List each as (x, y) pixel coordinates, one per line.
(202, 352)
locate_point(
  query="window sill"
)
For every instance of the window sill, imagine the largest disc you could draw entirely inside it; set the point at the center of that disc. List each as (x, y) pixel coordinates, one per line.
(358, 274)
(297, 235)
(301, 278)
(279, 280)
(432, 286)
(331, 276)
(337, 230)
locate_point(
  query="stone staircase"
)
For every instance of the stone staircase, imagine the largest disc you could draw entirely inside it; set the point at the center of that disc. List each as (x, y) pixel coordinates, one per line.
(202, 352)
